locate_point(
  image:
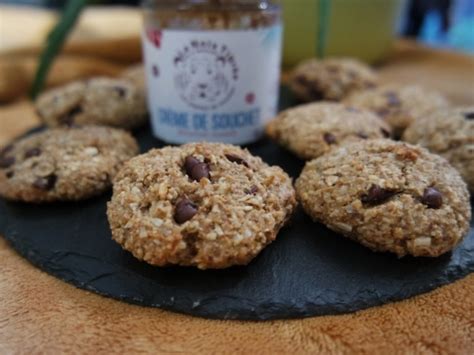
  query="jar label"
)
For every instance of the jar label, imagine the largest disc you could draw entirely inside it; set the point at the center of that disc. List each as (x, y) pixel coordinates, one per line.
(217, 86)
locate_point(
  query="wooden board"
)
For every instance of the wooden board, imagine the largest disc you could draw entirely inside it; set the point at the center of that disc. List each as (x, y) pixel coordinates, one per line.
(39, 314)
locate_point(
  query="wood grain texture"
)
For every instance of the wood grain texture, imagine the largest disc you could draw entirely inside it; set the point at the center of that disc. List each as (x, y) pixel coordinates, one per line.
(18, 71)
(105, 32)
(40, 314)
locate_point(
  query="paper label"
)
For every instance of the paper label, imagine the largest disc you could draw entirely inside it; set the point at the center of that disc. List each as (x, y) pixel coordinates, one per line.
(219, 86)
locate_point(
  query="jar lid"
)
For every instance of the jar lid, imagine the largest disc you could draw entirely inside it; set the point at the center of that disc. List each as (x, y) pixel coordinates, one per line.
(210, 3)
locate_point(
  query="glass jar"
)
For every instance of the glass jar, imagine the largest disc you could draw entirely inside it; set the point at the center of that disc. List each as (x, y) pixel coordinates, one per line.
(212, 67)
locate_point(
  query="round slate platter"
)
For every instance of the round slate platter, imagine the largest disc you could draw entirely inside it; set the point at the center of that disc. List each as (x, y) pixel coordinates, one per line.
(307, 271)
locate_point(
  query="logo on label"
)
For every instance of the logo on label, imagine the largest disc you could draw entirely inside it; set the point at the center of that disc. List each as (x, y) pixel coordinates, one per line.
(206, 73)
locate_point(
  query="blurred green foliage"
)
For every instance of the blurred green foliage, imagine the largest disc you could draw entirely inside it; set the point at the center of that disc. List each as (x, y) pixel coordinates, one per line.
(55, 42)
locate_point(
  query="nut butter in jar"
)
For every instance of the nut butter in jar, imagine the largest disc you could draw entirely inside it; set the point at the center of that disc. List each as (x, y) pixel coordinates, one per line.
(213, 68)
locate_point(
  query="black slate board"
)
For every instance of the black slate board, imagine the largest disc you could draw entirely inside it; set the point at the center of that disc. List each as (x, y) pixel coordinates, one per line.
(307, 271)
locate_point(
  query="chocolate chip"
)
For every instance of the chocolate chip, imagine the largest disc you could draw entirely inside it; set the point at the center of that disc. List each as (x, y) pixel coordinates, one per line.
(199, 171)
(432, 198)
(6, 150)
(252, 190)
(9, 174)
(392, 98)
(189, 163)
(469, 115)
(75, 111)
(185, 209)
(329, 138)
(145, 208)
(120, 91)
(315, 93)
(46, 183)
(68, 118)
(236, 159)
(385, 133)
(6, 162)
(67, 121)
(33, 152)
(377, 195)
(195, 169)
(362, 135)
(301, 79)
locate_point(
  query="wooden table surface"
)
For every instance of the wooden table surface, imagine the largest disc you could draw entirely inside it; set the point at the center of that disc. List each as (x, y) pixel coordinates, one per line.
(40, 314)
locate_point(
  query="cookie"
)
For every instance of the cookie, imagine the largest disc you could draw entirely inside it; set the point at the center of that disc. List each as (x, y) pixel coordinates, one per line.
(399, 106)
(207, 205)
(63, 164)
(99, 101)
(389, 196)
(136, 75)
(449, 133)
(312, 130)
(330, 79)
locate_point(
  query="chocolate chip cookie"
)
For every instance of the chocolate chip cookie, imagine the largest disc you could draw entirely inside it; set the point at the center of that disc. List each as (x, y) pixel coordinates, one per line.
(330, 79)
(449, 133)
(136, 75)
(64, 163)
(207, 205)
(398, 105)
(389, 196)
(98, 101)
(312, 130)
